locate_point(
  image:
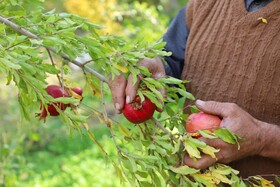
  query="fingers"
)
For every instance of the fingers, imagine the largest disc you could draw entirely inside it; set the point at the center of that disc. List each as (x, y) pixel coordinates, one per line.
(218, 108)
(125, 90)
(131, 88)
(201, 163)
(156, 67)
(117, 87)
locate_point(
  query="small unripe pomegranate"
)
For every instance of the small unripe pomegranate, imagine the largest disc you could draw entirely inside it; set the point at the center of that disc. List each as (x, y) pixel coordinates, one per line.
(202, 121)
(137, 112)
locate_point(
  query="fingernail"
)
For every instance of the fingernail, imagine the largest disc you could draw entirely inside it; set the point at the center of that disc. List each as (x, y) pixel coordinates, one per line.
(127, 99)
(199, 102)
(117, 106)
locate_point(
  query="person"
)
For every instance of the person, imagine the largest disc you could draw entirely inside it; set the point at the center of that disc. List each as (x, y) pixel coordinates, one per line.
(230, 52)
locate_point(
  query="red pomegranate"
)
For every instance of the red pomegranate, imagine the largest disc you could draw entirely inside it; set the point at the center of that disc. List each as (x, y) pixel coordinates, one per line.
(56, 92)
(139, 112)
(202, 121)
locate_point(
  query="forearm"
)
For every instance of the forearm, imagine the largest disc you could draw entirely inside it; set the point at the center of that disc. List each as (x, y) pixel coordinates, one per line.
(270, 135)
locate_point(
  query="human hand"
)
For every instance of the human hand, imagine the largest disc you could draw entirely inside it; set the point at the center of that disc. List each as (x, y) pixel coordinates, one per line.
(238, 121)
(123, 90)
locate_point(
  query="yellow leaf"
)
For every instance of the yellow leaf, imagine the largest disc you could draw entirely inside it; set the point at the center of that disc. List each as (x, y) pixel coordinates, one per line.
(121, 68)
(75, 95)
(184, 170)
(220, 178)
(192, 150)
(267, 183)
(206, 179)
(210, 151)
(262, 19)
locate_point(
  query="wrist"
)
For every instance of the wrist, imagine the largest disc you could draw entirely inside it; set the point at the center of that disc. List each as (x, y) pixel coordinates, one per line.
(262, 135)
(269, 145)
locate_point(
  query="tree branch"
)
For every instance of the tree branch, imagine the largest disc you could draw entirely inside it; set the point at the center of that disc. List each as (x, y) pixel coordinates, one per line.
(18, 28)
(164, 129)
(63, 55)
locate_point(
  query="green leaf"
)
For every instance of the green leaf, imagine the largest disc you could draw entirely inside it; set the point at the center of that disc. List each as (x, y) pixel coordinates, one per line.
(158, 179)
(227, 136)
(194, 109)
(124, 131)
(23, 109)
(184, 170)
(9, 77)
(49, 69)
(10, 64)
(171, 80)
(133, 164)
(153, 99)
(176, 148)
(164, 144)
(277, 179)
(186, 94)
(51, 19)
(161, 151)
(75, 117)
(29, 69)
(207, 134)
(66, 100)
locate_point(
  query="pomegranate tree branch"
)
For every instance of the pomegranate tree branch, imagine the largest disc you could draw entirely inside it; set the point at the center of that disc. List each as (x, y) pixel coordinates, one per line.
(164, 129)
(63, 55)
(18, 28)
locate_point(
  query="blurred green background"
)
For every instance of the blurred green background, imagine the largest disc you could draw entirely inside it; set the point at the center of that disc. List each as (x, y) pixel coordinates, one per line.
(33, 153)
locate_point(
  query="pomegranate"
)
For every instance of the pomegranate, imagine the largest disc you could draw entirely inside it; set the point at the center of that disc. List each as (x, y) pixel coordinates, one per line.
(202, 121)
(77, 90)
(56, 92)
(137, 112)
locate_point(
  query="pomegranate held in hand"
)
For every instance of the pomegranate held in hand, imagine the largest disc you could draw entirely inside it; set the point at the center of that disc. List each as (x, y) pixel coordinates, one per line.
(137, 112)
(202, 121)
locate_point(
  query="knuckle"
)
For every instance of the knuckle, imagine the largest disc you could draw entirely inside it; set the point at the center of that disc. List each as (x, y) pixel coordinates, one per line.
(232, 108)
(214, 104)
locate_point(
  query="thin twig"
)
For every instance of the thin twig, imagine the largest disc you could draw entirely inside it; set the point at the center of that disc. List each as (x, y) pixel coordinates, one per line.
(15, 44)
(108, 123)
(120, 152)
(164, 129)
(86, 68)
(86, 62)
(52, 61)
(103, 101)
(182, 164)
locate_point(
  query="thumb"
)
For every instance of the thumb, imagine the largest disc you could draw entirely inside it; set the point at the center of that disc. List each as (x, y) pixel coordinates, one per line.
(212, 107)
